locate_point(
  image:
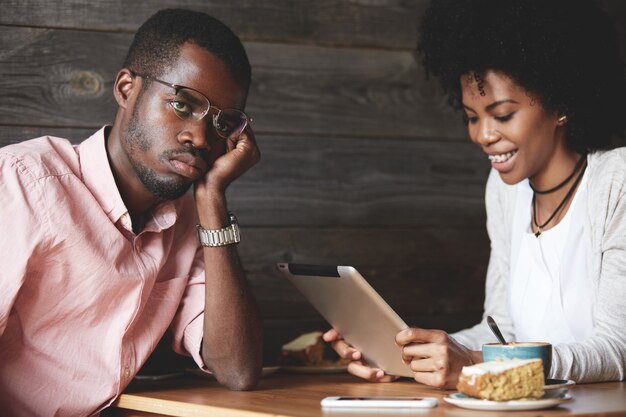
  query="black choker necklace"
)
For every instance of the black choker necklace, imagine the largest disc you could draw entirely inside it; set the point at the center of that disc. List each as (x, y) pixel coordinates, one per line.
(565, 181)
(562, 203)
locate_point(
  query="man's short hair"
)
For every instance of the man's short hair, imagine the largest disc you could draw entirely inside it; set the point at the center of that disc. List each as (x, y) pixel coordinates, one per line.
(157, 43)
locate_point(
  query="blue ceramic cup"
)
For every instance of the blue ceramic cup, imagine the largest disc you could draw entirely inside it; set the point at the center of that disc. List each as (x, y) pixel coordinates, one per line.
(520, 350)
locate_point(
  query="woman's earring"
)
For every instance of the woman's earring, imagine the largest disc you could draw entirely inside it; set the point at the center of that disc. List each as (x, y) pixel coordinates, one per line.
(561, 120)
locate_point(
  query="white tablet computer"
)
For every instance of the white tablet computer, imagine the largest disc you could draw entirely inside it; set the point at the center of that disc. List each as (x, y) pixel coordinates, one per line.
(355, 309)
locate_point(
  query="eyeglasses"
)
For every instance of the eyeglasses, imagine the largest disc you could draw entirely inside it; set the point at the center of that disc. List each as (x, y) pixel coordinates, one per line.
(192, 104)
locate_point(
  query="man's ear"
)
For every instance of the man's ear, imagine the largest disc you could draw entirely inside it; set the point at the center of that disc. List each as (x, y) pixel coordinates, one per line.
(126, 86)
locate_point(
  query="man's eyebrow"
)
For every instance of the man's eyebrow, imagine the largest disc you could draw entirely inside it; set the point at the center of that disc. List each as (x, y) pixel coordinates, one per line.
(492, 105)
(182, 91)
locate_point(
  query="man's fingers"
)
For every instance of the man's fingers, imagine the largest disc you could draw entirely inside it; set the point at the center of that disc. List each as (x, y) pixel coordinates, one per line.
(245, 148)
(245, 140)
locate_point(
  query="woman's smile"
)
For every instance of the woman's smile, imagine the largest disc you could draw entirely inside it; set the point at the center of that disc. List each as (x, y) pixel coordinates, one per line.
(506, 119)
(500, 158)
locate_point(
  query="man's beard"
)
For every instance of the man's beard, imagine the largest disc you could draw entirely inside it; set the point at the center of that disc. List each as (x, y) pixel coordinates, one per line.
(163, 188)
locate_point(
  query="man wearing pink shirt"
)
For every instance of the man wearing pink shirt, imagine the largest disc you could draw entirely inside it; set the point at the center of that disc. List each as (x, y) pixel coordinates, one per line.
(102, 249)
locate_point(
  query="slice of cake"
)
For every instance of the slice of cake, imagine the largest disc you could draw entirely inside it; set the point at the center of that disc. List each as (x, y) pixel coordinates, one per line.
(503, 380)
(305, 350)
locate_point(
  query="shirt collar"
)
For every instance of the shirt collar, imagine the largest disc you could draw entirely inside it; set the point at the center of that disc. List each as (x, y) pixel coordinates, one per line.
(98, 177)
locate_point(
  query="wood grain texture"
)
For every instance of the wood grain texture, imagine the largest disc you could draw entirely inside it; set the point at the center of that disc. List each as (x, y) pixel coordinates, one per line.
(58, 78)
(418, 272)
(64, 78)
(380, 23)
(363, 161)
(368, 181)
(330, 91)
(353, 182)
(300, 395)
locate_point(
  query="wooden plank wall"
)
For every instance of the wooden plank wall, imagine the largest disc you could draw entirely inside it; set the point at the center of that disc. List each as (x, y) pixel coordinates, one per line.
(363, 162)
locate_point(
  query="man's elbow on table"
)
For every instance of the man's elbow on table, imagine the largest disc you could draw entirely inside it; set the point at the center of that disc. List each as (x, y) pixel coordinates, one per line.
(235, 372)
(239, 379)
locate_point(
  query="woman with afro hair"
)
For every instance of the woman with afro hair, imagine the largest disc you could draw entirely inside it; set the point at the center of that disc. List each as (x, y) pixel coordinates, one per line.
(542, 89)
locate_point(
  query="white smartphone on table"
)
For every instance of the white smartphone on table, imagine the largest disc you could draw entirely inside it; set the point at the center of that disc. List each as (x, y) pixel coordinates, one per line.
(378, 402)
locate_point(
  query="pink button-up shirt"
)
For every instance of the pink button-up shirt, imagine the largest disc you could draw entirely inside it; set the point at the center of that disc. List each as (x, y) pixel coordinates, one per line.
(83, 300)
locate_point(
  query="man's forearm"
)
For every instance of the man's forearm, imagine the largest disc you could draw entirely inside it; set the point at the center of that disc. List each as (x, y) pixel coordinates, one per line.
(232, 342)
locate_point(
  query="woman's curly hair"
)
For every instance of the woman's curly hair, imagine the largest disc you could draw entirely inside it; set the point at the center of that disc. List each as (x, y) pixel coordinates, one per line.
(565, 52)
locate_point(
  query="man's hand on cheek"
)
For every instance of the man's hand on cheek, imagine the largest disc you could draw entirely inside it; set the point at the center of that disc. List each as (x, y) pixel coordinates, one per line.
(241, 154)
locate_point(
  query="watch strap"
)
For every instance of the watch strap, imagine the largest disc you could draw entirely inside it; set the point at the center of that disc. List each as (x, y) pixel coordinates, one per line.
(220, 237)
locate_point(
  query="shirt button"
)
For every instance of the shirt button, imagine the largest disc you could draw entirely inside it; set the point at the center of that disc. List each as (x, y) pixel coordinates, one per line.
(127, 372)
(138, 246)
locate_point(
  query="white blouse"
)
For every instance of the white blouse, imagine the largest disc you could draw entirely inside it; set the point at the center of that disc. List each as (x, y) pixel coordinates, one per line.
(550, 293)
(601, 209)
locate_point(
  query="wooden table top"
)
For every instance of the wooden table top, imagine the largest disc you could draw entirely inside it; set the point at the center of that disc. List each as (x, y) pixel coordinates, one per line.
(299, 395)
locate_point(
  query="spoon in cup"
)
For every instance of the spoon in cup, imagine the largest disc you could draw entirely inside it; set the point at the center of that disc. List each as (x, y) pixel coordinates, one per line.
(494, 328)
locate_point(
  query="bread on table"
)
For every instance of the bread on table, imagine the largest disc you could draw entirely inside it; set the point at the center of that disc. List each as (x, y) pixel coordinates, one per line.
(305, 350)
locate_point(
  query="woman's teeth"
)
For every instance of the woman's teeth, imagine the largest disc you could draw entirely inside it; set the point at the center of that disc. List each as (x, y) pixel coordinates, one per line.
(502, 157)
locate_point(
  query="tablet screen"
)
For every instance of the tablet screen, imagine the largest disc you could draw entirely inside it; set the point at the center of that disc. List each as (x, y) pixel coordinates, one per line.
(345, 299)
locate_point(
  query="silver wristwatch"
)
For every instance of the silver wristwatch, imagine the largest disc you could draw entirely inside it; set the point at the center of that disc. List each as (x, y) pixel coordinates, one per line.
(220, 237)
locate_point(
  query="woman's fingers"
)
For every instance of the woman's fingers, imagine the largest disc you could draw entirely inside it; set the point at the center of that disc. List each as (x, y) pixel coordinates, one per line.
(435, 379)
(434, 356)
(331, 335)
(345, 350)
(417, 335)
(342, 348)
(361, 370)
(427, 364)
